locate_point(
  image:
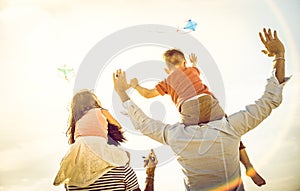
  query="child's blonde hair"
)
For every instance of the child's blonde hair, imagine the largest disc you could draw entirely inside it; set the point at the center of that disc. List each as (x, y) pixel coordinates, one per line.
(172, 52)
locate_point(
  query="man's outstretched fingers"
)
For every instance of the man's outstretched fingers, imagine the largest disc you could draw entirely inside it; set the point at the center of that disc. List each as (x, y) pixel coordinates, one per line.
(275, 35)
(114, 77)
(262, 38)
(266, 35)
(118, 72)
(270, 34)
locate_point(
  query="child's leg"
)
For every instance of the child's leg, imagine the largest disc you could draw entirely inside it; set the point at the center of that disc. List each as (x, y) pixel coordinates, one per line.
(217, 111)
(250, 171)
(190, 112)
(201, 110)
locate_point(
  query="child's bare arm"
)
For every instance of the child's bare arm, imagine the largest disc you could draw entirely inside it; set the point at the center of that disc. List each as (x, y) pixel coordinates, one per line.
(147, 93)
(193, 59)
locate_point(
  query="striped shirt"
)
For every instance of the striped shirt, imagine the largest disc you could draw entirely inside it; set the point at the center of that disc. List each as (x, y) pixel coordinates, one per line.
(119, 178)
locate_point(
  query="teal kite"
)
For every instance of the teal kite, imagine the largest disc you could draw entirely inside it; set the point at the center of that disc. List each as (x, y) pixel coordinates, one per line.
(191, 25)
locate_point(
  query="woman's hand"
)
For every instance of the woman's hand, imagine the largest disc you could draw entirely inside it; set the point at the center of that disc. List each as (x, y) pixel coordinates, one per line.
(150, 163)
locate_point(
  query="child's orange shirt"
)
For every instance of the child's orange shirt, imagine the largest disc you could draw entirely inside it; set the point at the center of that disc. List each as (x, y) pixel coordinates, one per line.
(93, 123)
(183, 84)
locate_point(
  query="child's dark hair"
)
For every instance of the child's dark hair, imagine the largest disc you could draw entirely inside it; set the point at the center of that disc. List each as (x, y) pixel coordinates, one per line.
(81, 103)
(171, 52)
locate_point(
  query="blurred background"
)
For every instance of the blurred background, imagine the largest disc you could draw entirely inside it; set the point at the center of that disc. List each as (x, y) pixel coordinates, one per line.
(39, 36)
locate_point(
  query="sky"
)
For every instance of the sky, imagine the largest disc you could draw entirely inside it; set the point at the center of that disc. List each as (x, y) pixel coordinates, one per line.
(38, 36)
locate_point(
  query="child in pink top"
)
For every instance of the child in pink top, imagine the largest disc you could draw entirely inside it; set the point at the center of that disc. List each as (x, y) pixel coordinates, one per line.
(192, 98)
(93, 135)
(88, 118)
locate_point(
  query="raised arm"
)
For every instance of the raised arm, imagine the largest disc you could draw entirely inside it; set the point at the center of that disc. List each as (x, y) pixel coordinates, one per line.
(154, 129)
(150, 163)
(274, 48)
(254, 114)
(147, 93)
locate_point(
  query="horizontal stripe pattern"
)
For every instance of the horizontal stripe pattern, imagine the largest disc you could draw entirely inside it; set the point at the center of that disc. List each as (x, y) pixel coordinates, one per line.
(117, 179)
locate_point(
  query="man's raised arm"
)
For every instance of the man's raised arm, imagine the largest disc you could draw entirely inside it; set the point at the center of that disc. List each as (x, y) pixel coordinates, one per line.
(254, 114)
(154, 129)
(274, 48)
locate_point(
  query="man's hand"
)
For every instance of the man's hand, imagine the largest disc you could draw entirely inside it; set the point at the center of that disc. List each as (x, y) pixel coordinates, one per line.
(121, 85)
(134, 82)
(274, 46)
(120, 82)
(193, 59)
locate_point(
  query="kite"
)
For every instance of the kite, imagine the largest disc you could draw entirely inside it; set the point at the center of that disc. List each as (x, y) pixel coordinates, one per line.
(66, 71)
(189, 27)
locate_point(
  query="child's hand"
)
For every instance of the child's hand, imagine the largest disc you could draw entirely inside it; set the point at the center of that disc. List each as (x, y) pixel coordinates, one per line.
(134, 82)
(193, 59)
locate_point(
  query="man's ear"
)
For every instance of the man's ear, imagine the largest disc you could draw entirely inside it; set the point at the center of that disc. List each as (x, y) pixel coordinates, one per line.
(167, 71)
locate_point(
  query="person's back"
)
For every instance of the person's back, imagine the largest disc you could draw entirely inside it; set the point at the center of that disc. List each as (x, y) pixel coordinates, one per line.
(119, 178)
(182, 84)
(208, 154)
(92, 123)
